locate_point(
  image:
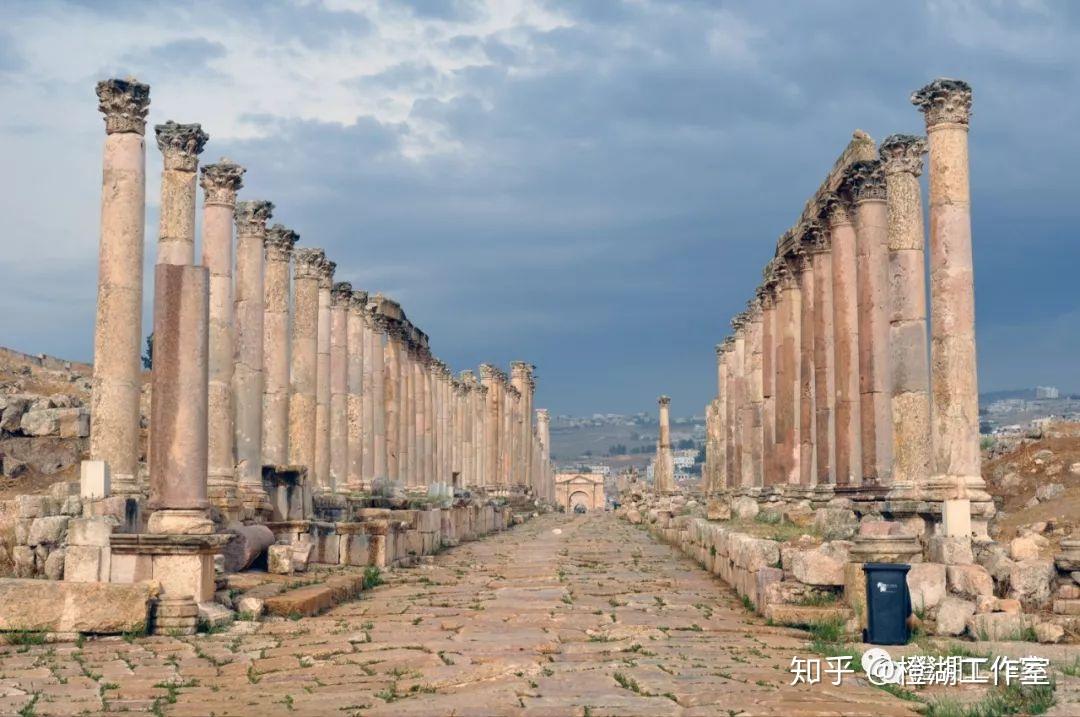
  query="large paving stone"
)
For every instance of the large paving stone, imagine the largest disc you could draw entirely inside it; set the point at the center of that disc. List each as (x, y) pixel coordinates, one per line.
(56, 606)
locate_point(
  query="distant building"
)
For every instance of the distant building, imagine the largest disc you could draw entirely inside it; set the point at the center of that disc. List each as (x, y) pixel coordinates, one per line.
(1046, 392)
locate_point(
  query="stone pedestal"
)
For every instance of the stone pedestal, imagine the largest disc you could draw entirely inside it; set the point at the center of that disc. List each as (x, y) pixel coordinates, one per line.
(114, 412)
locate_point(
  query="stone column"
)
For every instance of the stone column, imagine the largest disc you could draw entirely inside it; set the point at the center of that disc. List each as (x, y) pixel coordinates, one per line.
(846, 342)
(251, 219)
(427, 381)
(220, 182)
(742, 403)
(377, 356)
(392, 402)
(308, 268)
(405, 407)
(490, 424)
(358, 430)
(276, 337)
(114, 400)
(465, 401)
(721, 479)
(519, 379)
(788, 378)
(543, 430)
(901, 158)
(824, 381)
(767, 295)
(865, 184)
(414, 415)
(731, 412)
(180, 145)
(340, 299)
(807, 433)
(755, 396)
(664, 468)
(178, 457)
(955, 465)
(322, 380)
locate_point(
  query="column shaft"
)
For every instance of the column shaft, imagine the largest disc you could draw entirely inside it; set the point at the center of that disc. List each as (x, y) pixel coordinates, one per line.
(807, 432)
(322, 382)
(340, 299)
(304, 360)
(276, 340)
(846, 342)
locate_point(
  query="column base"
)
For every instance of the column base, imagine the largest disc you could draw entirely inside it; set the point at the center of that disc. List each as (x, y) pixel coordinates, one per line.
(180, 522)
(183, 564)
(256, 503)
(124, 484)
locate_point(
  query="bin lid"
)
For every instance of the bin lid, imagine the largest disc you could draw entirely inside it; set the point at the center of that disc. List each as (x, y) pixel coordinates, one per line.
(875, 567)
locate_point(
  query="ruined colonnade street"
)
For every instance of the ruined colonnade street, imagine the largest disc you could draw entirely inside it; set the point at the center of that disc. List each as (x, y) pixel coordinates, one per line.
(563, 615)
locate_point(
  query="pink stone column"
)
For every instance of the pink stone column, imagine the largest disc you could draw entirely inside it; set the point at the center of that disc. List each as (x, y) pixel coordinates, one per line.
(731, 411)
(251, 219)
(767, 296)
(377, 356)
(788, 378)
(901, 158)
(178, 457)
(357, 429)
(406, 420)
(824, 358)
(865, 184)
(340, 299)
(807, 413)
(220, 182)
(956, 465)
(323, 480)
(180, 145)
(490, 424)
(277, 335)
(308, 268)
(846, 342)
(114, 400)
(543, 429)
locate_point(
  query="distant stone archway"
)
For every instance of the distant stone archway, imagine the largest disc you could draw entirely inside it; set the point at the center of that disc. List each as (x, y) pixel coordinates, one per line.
(579, 498)
(584, 489)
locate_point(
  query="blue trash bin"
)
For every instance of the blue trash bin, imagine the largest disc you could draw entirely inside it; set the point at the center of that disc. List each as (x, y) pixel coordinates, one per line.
(888, 604)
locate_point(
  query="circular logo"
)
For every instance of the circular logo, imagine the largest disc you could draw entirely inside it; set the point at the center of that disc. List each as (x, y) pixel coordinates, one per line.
(880, 668)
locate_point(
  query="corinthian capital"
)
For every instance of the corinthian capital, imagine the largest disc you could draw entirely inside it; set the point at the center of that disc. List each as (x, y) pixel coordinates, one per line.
(326, 273)
(864, 181)
(664, 400)
(902, 153)
(358, 304)
(251, 217)
(279, 243)
(341, 294)
(124, 104)
(487, 372)
(308, 264)
(181, 144)
(944, 101)
(221, 182)
(835, 209)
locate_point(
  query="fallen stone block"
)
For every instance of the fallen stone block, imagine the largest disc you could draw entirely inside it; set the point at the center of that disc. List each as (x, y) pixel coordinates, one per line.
(248, 543)
(926, 583)
(997, 626)
(953, 615)
(212, 614)
(62, 606)
(970, 581)
(279, 559)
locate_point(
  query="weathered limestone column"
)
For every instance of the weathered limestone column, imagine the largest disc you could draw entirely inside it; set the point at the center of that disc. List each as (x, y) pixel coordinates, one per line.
(340, 298)
(276, 337)
(484, 476)
(392, 400)
(490, 424)
(956, 467)
(251, 219)
(807, 433)
(427, 382)
(377, 411)
(180, 145)
(322, 380)
(721, 478)
(865, 183)
(846, 342)
(358, 430)
(824, 378)
(730, 427)
(178, 457)
(743, 440)
(664, 468)
(414, 414)
(519, 379)
(788, 379)
(755, 396)
(114, 412)
(220, 182)
(767, 295)
(308, 268)
(901, 158)
(468, 437)
(406, 421)
(543, 430)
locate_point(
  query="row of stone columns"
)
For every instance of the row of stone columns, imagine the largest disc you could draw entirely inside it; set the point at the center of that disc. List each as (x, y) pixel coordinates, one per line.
(825, 381)
(257, 367)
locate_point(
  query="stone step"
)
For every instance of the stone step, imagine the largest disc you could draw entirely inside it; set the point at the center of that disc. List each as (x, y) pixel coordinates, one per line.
(311, 600)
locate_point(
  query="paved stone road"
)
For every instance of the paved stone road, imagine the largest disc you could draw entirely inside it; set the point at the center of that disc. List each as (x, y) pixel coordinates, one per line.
(565, 615)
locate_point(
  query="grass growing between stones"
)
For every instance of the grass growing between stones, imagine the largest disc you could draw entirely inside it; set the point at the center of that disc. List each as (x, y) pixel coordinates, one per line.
(1002, 701)
(372, 577)
(25, 637)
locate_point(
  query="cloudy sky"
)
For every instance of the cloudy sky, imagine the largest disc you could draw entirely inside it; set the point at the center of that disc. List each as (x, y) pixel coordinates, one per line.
(591, 185)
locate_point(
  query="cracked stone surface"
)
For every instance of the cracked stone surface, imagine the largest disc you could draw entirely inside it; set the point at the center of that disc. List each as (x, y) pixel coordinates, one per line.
(564, 615)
